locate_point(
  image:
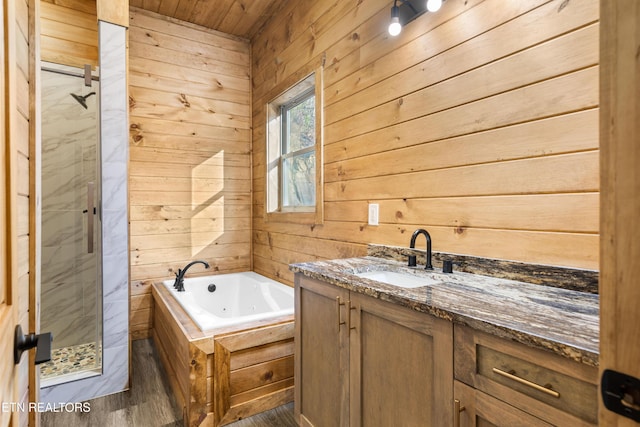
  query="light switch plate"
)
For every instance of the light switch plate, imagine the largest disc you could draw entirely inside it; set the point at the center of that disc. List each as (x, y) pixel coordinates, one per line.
(374, 213)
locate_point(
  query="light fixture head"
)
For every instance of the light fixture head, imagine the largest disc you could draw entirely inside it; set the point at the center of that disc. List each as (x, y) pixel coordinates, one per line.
(394, 26)
(434, 5)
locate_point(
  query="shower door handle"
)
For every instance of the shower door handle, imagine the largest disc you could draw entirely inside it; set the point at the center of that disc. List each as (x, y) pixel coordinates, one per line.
(90, 213)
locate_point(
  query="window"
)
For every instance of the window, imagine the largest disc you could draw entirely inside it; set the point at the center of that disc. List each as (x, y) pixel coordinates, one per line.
(298, 154)
(294, 161)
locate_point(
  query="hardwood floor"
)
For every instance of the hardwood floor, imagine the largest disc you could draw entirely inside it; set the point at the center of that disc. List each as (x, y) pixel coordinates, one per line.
(281, 416)
(150, 402)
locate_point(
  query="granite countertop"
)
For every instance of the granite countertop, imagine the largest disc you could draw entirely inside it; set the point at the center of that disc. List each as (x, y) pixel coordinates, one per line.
(565, 322)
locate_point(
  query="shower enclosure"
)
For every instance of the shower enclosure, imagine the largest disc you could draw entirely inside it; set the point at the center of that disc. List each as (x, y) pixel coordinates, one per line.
(71, 286)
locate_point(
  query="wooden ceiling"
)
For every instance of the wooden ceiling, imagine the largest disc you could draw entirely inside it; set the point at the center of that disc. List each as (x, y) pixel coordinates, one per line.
(244, 18)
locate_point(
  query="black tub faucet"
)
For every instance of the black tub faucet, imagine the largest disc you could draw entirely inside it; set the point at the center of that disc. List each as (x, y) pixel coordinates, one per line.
(412, 245)
(179, 283)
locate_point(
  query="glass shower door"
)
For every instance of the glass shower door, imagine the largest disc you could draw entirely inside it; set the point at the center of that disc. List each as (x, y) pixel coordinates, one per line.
(70, 225)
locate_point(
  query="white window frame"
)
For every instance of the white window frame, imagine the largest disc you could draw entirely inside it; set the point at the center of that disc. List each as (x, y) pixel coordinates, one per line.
(274, 210)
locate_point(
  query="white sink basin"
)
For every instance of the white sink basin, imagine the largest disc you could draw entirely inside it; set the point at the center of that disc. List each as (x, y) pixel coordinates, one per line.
(398, 279)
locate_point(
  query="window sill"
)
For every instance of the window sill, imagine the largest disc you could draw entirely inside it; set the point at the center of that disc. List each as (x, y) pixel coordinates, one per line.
(308, 218)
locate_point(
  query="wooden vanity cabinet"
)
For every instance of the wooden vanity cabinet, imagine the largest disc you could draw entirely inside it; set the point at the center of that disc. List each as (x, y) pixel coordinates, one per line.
(361, 361)
(546, 388)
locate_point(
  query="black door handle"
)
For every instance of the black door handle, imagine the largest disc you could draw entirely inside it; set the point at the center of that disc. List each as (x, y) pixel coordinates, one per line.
(23, 342)
(621, 394)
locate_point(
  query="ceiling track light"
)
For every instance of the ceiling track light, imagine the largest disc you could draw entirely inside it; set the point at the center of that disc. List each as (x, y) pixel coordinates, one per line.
(405, 11)
(434, 5)
(395, 26)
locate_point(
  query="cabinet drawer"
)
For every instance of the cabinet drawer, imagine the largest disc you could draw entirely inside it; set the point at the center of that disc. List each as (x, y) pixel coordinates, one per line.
(551, 387)
(478, 409)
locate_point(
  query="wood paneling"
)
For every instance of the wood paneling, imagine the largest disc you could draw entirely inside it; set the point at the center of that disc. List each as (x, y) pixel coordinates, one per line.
(20, 136)
(620, 208)
(238, 17)
(479, 123)
(190, 145)
(69, 32)
(114, 11)
(8, 390)
(15, 115)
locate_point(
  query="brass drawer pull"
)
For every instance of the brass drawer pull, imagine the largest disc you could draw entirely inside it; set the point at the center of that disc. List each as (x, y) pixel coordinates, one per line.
(351, 307)
(457, 408)
(512, 376)
(338, 304)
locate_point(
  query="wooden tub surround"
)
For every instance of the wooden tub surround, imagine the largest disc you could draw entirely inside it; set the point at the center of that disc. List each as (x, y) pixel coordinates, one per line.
(223, 375)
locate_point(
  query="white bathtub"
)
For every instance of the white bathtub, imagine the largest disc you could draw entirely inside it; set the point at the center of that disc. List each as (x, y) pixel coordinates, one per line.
(238, 298)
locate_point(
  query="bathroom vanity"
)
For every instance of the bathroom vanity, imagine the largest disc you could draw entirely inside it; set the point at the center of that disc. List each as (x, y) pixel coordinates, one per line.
(463, 350)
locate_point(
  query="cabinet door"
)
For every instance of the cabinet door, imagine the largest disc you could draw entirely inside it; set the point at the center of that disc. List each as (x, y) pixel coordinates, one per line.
(400, 362)
(478, 409)
(322, 354)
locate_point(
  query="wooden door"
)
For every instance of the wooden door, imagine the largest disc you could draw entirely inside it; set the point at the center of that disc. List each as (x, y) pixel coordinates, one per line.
(620, 194)
(322, 354)
(9, 381)
(401, 366)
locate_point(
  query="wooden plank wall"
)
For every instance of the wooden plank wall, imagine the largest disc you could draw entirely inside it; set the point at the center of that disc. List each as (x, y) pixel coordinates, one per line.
(114, 11)
(479, 123)
(20, 134)
(190, 174)
(16, 111)
(69, 32)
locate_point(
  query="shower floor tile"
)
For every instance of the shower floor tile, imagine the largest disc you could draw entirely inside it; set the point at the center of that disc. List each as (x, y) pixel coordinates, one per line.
(69, 360)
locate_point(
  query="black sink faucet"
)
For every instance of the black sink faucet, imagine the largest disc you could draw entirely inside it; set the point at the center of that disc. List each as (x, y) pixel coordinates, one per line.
(412, 245)
(179, 283)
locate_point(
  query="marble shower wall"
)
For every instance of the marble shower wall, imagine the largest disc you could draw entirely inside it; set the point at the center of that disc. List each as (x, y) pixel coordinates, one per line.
(114, 304)
(69, 147)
